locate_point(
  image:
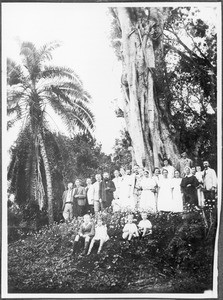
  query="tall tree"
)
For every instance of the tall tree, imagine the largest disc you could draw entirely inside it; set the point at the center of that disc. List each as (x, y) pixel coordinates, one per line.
(179, 88)
(138, 35)
(34, 89)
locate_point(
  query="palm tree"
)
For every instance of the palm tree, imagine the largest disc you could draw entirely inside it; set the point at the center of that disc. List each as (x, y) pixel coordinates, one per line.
(34, 90)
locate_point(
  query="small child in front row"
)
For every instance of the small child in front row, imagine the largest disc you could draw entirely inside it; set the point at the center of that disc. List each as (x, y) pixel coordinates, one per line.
(145, 226)
(130, 229)
(101, 235)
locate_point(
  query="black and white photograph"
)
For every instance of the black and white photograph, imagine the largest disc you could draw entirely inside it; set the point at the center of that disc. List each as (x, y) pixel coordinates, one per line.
(111, 149)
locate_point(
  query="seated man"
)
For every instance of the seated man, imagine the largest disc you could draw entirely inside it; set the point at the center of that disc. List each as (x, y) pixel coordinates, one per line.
(86, 232)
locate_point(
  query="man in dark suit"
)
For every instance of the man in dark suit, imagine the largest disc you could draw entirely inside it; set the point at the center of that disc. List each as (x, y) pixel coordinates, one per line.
(80, 203)
(108, 188)
(67, 207)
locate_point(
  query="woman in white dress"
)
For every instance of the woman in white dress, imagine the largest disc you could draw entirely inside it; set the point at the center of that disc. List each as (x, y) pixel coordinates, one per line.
(147, 199)
(177, 194)
(199, 175)
(168, 167)
(165, 199)
(126, 198)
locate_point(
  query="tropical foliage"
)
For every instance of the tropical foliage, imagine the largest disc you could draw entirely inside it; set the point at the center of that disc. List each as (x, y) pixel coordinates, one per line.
(35, 88)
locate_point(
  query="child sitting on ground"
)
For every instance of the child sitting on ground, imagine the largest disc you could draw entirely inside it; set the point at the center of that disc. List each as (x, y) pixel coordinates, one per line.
(130, 229)
(145, 226)
(101, 235)
(85, 234)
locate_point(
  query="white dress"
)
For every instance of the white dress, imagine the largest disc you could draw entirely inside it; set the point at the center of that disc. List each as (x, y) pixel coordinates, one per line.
(126, 198)
(147, 199)
(177, 195)
(101, 233)
(165, 200)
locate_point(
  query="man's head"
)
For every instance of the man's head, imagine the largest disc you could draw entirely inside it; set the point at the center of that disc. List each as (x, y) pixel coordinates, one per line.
(193, 170)
(98, 177)
(198, 168)
(116, 173)
(135, 169)
(70, 186)
(206, 164)
(88, 181)
(184, 155)
(106, 175)
(87, 218)
(77, 182)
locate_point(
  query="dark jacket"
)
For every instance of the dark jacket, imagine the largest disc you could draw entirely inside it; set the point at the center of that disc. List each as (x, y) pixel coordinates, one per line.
(107, 189)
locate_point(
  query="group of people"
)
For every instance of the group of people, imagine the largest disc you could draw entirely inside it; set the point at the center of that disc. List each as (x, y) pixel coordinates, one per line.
(89, 233)
(167, 189)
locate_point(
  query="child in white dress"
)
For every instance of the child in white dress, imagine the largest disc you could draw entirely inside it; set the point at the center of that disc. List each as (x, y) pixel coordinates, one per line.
(130, 229)
(101, 235)
(145, 226)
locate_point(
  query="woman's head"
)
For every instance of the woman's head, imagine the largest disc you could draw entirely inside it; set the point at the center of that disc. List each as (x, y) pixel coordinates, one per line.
(177, 174)
(187, 170)
(156, 171)
(165, 173)
(146, 173)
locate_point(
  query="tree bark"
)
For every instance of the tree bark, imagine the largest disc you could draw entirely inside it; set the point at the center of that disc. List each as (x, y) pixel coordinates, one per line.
(48, 179)
(151, 137)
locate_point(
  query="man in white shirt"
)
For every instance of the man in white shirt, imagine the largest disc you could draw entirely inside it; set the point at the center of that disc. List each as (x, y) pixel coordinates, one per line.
(97, 194)
(210, 184)
(67, 207)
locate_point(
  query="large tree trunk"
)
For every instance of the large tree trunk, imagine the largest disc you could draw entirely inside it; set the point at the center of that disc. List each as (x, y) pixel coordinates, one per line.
(151, 138)
(48, 179)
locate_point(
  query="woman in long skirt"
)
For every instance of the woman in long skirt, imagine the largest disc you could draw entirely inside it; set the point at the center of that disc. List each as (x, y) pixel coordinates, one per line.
(126, 198)
(189, 186)
(165, 200)
(147, 199)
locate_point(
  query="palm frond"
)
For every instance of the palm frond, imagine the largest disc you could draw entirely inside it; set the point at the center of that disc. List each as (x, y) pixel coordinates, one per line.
(45, 51)
(61, 72)
(76, 107)
(14, 72)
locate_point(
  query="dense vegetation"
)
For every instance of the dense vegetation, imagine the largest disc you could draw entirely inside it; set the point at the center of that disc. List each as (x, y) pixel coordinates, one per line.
(176, 258)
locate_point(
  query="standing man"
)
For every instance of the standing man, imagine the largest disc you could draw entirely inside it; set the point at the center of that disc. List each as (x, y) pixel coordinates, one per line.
(79, 199)
(183, 163)
(97, 194)
(90, 195)
(210, 184)
(68, 203)
(108, 187)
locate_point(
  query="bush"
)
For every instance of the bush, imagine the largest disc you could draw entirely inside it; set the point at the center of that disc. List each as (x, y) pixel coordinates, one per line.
(177, 257)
